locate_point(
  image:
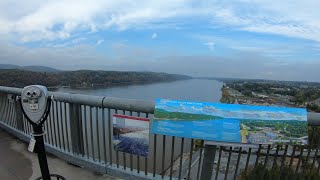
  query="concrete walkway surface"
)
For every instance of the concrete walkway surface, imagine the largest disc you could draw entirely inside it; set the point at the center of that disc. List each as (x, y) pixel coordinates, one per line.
(17, 163)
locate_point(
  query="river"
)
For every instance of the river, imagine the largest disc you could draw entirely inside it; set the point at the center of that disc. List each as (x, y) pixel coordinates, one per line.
(193, 89)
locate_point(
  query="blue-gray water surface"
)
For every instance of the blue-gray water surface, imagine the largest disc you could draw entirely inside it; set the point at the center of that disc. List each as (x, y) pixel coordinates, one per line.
(193, 90)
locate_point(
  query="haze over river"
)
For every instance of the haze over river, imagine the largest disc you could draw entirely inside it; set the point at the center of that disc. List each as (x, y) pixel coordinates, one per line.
(193, 89)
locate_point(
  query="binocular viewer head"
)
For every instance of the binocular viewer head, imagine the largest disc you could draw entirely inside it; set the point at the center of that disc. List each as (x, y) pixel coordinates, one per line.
(34, 101)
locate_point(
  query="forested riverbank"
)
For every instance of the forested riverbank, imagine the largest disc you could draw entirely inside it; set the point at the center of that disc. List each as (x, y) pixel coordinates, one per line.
(83, 78)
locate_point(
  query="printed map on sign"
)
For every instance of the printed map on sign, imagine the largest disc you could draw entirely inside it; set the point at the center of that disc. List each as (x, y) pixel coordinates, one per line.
(230, 122)
(131, 134)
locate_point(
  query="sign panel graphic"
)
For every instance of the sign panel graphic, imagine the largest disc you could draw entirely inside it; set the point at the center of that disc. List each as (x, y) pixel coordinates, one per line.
(230, 122)
(131, 134)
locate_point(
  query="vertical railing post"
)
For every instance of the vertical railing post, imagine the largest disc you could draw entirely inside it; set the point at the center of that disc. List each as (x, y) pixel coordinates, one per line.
(208, 161)
(19, 116)
(76, 128)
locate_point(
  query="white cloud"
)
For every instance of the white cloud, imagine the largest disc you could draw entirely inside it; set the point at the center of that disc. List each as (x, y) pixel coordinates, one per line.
(68, 43)
(288, 18)
(154, 36)
(100, 41)
(267, 47)
(210, 45)
(57, 19)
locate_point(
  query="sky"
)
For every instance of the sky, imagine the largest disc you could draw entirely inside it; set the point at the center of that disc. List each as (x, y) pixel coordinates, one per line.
(257, 39)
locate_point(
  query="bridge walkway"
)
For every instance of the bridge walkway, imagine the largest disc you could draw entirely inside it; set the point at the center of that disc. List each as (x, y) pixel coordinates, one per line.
(17, 163)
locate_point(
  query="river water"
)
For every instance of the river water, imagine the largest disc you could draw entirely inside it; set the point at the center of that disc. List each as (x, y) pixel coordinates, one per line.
(193, 89)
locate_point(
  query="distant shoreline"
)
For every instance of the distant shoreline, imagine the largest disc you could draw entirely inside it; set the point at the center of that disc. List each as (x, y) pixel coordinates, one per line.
(83, 78)
(97, 86)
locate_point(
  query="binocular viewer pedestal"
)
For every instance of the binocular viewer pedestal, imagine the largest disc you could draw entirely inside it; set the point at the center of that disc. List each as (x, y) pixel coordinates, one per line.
(35, 105)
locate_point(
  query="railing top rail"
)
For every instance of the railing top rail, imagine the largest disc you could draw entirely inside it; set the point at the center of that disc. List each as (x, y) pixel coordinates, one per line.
(119, 103)
(10, 90)
(91, 100)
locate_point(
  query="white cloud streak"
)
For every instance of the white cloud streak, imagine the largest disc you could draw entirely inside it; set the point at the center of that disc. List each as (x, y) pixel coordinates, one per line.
(154, 36)
(288, 18)
(210, 45)
(50, 20)
(100, 41)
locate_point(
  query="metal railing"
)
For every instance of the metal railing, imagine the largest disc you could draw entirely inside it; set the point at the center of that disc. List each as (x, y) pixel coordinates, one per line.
(79, 130)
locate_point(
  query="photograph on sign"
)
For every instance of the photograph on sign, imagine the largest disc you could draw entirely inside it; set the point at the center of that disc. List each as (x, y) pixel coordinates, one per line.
(131, 134)
(230, 122)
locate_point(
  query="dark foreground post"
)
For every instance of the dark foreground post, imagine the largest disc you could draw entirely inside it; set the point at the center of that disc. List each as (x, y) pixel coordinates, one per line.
(40, 150)
(208, 161)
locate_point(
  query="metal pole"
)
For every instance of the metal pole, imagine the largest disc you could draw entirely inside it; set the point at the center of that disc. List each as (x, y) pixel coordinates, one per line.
(208, 161)
(76, 129)
(19, 117)
(40, 150)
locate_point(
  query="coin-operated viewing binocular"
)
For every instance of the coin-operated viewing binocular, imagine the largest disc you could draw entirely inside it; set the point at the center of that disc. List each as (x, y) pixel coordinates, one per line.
(35, 104)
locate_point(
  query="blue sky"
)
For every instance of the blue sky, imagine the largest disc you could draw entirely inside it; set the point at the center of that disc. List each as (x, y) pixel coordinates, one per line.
(246, 39)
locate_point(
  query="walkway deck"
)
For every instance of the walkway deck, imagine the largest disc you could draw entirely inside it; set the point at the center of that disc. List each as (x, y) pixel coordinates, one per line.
(17, 163)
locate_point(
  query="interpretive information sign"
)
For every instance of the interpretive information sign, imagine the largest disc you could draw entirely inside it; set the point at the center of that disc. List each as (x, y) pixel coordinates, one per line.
(131, 134)
(230, 122)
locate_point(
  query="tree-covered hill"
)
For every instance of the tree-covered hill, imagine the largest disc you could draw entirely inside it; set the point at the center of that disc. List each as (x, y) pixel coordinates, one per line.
(82, 78)
(163, 114)
(34, 68)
